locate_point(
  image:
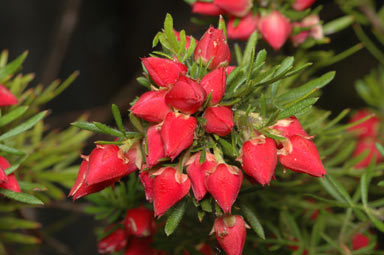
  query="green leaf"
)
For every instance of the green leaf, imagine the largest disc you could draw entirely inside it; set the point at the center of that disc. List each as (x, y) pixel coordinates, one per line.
(29, 186)
(297, 108)
(21, 197)
(251, 46)
(170, 34)
(380, 148)
(10, 237)
(11, 223)
(11, 150)
(108, 130)
(338, 24)
(24, 126)
(174, 218)
(317, 230)
(117, 115)
(252, 219)
(206, 205)
(12, 115)
(298, 92)
(136, 122)
(12, 67)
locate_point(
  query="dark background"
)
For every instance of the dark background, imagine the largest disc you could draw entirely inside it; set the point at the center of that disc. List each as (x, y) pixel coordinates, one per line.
(104, 41)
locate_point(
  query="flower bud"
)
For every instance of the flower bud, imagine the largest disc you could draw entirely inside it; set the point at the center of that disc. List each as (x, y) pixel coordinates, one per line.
(223, 183)
(151, 106)
(299, 38)
(169, 186)
(238, 8)
(363, 145)
(259, 159)
(81, 189)
(114, 242)
(155, 146)
(230, 233)
(6, 97)
(302, 157)
(214, 83)
(147, 182)
(108, 162)
(244, 29)
(140, 246)
(4, 164)
(313, 22)
(11, 184)
(229, 69)
(300, 5)
(206, 8)
(289, 127)
(213, 46)
(359, 241)
(186, 96)
(164, 72)
(197, 172)
(139, 222)
(177, 133)
(275, 29)
(368, 128)
(219, 120)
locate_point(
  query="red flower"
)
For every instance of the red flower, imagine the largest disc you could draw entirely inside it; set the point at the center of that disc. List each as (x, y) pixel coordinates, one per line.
(244, 29)
(197, 172)
(259, 159)
(219, 120)
(155, 146)
(230, 233)
(139, 222)
(302, 156)
(169, 186)
(223, 183)
(164, 72)
(11, 184)
(4, 164)
(186, 96)
(368, 128)
(115, 241)
(359, 241)
(177, 133)
(213, 46)
(214, 83)
(151, 106)
(363, 145)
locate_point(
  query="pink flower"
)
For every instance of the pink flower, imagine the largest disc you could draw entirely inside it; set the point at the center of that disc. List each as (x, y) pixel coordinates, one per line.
(213, 46)
(6, 97)
(238, 8)
(275, 29)
(206, 8)
(244, 29)
(300, 5)
(368, 128)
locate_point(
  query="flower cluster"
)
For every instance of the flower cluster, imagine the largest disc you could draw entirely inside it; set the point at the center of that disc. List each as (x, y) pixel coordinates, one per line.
(181, 115)
(368, 135)
(274, 26)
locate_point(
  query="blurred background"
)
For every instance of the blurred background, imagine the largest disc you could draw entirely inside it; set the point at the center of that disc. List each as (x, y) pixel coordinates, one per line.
(104, 40)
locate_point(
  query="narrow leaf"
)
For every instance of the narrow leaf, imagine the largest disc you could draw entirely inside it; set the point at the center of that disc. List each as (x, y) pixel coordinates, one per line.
(252, 219)
(21, 197)
(175, 218)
